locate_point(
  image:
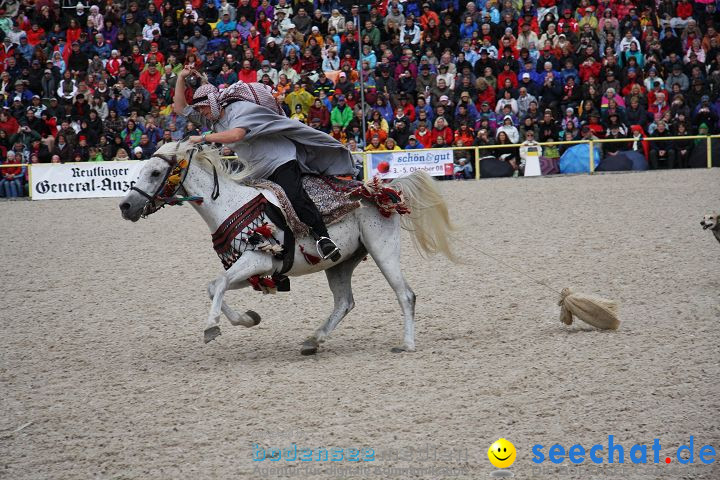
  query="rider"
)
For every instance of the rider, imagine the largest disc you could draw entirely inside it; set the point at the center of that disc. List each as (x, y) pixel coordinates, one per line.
(275, 147)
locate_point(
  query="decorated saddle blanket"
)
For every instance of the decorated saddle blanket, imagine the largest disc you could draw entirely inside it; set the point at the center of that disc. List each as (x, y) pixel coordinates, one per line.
(251, 226)
(330, 194)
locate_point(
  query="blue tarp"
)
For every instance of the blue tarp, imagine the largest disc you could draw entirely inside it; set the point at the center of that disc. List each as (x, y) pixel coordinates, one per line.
(576, 159)
(622, 161)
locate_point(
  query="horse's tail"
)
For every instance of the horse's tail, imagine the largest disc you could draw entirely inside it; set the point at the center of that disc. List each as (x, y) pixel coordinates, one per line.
(428, 221)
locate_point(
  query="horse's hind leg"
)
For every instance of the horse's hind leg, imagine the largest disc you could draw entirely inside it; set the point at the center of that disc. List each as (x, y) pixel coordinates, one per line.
(251, 263)
(339, 278)
(247, 319)
(382, 240)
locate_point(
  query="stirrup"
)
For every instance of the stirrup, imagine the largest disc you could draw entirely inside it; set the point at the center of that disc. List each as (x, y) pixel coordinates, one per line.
(334, 255)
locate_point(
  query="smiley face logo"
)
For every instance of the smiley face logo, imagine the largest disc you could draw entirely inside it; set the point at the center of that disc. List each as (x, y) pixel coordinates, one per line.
(502, 453)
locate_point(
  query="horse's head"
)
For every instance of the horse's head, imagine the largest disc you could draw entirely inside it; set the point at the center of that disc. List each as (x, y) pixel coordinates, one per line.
(160, 178)
(143, 195)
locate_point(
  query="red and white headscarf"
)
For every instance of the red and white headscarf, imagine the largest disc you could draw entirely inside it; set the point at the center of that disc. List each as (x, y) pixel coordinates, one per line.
(208, 96)
(257, 93)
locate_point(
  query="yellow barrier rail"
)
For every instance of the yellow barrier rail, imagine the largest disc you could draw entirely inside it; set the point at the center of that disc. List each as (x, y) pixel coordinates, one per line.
(591, 144)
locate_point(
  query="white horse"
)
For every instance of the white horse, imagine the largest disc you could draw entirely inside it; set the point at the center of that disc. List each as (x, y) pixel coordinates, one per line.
(360, 232)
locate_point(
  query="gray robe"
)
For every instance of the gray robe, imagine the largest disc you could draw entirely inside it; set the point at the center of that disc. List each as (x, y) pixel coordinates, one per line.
(270, 139)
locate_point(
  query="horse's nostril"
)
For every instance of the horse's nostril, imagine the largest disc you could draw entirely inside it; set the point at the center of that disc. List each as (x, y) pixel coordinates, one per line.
(124, 206)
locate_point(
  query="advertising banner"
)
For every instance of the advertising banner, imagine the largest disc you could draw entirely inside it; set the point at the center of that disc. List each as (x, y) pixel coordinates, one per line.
(437, 162)
(83, 180)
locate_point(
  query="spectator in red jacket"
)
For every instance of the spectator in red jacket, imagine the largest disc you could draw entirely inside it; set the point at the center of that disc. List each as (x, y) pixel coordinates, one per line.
(319, 111)
(247, 74)
(423, 135)
(150, 79)
(684, 9)
(441, 129)
(35, 34)
(590, 68)
(507, 73)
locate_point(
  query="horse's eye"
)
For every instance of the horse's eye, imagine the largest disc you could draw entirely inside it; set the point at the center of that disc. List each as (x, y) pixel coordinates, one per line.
(155, 173)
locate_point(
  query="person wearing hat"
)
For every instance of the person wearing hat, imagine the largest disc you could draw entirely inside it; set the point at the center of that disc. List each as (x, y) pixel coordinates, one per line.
(316, 36)
(266, 69)
(528, 35)
(616, 130)
(77, 61)
(131, 27)
(589, 19)
(677, 76)
(671, 42)
(285, 7)
(509, 128)
(284, 23)
(273, 53)
(270, 145)
(243, 26)
(611, 80)
(393, 15)
(413, 143)
(138, 153)
(226, 7)
(567, 23)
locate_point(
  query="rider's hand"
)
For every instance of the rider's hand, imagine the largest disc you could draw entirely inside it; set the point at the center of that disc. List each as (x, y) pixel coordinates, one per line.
(195, 139)
(185, 72)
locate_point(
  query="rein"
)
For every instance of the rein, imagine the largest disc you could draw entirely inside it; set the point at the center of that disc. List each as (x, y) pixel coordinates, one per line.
(171, 185)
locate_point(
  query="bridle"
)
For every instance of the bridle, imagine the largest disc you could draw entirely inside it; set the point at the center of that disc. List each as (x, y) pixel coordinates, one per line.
(171, 184)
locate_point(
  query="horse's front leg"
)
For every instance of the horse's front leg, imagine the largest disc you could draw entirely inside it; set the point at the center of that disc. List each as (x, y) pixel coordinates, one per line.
(247, 319)
(251, 263)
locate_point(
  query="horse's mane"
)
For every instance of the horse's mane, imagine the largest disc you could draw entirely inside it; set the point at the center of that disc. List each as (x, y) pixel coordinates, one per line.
(235, 169)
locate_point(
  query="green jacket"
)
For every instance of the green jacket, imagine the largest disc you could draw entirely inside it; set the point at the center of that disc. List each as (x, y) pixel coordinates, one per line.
(341, 117)
(374, 34)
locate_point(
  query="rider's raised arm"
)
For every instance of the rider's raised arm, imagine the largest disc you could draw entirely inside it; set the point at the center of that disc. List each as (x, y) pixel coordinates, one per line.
(179, 102)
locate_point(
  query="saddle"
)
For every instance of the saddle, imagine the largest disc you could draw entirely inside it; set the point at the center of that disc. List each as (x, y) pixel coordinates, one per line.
(330, 195)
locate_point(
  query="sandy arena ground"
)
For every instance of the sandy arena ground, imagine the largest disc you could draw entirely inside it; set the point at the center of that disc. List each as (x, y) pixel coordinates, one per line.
(104, 374)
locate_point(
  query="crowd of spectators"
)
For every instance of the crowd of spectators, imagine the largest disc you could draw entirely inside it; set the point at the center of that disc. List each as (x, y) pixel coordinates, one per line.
(95, 82)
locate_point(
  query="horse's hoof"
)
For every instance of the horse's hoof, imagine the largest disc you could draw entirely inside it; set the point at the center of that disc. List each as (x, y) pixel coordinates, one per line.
(309, 347)
(402, 349)
(253, 316)
(211, 334)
